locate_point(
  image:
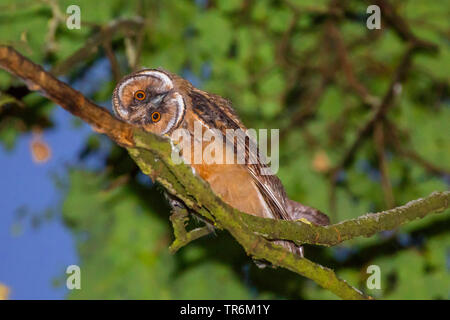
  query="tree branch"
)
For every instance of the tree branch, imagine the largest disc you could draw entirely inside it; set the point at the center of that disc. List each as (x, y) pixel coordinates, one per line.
(395, 139)
(381, 110)
(179, 218)
(363, 226)
(127, 26)
(401, 27)
(379, 141)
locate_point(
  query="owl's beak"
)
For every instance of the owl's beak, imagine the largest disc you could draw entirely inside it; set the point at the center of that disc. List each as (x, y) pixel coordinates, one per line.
(156, 101)
(138, 115)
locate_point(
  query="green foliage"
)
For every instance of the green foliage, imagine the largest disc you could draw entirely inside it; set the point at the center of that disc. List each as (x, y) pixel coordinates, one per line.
(246, 51)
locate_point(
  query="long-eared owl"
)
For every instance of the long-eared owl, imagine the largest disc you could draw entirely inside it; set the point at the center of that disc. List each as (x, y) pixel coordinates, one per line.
(161, 102)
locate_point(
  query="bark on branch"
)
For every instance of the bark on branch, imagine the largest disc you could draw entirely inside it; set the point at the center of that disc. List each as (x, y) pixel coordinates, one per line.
(363, 226)
(153, 155)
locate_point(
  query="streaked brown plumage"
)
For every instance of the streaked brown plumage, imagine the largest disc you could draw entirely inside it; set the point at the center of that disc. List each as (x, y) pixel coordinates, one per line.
(178, 104)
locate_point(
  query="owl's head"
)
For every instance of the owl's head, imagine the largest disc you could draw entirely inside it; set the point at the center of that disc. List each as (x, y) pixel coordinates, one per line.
(150, 98)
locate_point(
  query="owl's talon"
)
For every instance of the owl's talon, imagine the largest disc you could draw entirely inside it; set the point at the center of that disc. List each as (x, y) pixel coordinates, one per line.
(304, 220)
(180, 219)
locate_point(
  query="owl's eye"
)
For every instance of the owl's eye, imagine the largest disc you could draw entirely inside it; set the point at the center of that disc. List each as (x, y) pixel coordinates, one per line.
(139, 95)
(156, 116)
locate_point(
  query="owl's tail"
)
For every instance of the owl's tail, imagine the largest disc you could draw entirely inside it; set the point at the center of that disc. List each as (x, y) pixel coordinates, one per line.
(298, 211)
(292, 247)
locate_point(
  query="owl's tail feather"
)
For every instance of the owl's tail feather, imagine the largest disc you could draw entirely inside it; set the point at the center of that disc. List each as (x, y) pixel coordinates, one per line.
(298, 211)
(292, 247)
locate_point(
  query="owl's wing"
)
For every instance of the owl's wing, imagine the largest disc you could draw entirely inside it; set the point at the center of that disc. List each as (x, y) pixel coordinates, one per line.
(218, 112)
(272, 191)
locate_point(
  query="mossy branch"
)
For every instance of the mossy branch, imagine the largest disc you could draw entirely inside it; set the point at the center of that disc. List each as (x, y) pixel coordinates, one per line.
(179, 218)
(363, 226)
(153, 155)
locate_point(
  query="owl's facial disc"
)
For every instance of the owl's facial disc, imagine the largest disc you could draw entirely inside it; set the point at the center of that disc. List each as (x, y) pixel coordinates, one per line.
(148, 99)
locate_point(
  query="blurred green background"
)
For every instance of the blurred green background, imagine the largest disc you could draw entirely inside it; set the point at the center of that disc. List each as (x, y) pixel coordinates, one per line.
(310, 68)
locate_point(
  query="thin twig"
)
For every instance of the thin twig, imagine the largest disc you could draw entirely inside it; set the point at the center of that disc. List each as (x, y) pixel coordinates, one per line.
(358, 87)
(92, 44)
(115, 68)
(401, 26)
(379, 141)
(411, 154)
(364, 131)
(393, 90)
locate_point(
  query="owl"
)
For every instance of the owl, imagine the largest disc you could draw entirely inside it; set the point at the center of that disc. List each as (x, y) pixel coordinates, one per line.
(161, 102)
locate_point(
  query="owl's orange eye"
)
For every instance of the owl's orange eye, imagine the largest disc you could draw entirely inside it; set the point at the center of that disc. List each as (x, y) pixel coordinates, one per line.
(156, 116)
(139, 95)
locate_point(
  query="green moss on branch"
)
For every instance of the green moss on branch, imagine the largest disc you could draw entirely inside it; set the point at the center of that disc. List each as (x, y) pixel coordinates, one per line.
(364, 226)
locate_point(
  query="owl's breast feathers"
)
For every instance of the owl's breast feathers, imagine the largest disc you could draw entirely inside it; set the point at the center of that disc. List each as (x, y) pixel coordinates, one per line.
(216, 112)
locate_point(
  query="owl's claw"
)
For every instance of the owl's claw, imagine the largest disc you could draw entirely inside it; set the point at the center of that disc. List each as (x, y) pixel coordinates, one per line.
(179, 219)
(304, 220)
